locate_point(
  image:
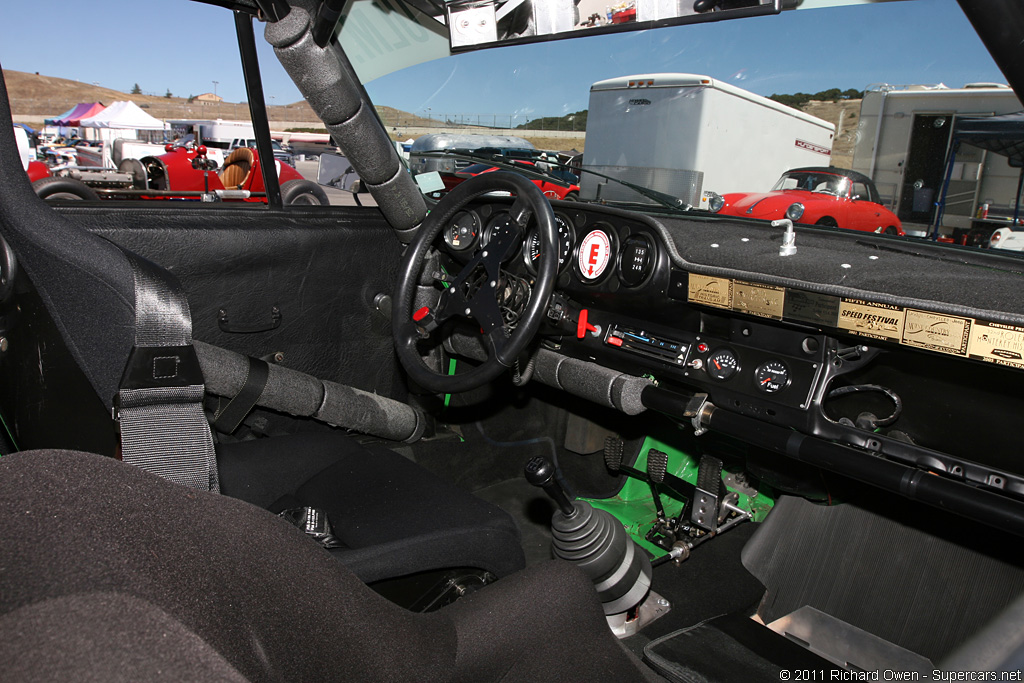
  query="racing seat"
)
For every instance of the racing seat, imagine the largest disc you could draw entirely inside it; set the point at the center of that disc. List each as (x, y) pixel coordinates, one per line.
(393, 517)
(158, 583)
(237, 168)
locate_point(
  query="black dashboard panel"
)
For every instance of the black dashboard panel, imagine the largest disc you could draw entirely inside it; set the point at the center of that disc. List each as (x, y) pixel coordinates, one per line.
(675, 300)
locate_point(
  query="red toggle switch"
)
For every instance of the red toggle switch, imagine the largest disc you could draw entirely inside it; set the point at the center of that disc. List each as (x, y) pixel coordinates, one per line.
(582, 326)
(421, 314)
(615, 341)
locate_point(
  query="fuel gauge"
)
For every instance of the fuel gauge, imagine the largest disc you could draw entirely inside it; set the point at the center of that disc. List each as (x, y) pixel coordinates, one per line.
(771, 376)
(722, 365)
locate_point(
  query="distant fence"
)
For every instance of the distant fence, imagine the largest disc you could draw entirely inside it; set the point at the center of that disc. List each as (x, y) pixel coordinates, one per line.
(429, 119)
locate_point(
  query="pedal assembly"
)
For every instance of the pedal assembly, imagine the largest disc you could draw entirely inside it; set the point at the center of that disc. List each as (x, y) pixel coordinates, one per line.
(708, 508)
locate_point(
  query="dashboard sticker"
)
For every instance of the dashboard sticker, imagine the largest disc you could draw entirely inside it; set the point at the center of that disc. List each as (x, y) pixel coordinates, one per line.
(595, 254)
(710, 291)
(870, 319)
(997, 343)
(936, 332)
(766, 301)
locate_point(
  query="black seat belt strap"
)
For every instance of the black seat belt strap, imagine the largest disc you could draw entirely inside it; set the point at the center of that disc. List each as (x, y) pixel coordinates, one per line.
(160, 401)
(228, 419)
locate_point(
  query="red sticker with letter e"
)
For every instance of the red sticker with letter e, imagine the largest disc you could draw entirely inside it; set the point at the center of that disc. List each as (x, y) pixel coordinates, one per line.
(595, 254)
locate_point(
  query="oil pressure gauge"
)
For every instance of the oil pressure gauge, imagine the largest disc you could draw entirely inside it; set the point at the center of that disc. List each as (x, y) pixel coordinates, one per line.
(771, 376)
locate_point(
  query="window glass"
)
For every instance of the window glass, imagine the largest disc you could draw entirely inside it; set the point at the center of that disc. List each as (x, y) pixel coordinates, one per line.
(129, 79)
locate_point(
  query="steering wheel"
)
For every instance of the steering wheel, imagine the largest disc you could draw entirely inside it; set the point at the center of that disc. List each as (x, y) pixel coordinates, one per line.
(474, 293)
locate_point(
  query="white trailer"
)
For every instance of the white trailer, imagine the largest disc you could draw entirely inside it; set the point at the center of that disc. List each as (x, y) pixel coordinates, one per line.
(688, 135)
(903, 140)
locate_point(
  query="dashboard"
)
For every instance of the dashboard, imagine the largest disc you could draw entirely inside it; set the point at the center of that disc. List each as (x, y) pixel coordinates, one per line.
(788, 344)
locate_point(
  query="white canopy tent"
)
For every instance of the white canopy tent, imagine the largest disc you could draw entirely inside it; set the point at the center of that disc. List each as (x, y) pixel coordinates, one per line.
(122, 120)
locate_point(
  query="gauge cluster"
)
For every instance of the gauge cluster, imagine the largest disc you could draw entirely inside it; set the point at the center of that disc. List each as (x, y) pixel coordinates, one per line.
(594, 253)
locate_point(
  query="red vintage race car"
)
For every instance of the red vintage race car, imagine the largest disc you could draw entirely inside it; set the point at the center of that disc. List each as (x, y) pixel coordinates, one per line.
(180, 173)
(552, 189)
(829, 196)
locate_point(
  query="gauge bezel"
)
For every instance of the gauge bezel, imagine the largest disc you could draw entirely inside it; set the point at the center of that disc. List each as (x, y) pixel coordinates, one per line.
(485, 234)
(652, 259)
(613, 256)
(471, 243)
(763, 366)
(736, 368)
(561, 219)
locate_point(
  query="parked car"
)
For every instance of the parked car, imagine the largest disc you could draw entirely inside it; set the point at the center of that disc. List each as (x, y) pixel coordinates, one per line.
(1008, 239)
(556, 188)
(281, 152)
(181, 173)
(829, 196)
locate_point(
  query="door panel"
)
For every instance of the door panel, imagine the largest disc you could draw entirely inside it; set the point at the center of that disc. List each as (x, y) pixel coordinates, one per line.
(320, 269)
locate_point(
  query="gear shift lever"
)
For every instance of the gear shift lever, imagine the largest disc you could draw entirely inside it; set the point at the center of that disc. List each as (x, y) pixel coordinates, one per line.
(595, 542)
(540, 472)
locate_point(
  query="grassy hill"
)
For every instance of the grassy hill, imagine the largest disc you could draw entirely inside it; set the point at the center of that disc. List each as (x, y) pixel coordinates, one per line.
(35, 97)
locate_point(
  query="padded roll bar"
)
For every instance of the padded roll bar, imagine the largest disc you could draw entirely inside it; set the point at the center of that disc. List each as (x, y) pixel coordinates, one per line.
(296, 393)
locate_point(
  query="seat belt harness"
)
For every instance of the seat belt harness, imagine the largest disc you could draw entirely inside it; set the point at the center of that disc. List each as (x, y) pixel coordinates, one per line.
(159, 405)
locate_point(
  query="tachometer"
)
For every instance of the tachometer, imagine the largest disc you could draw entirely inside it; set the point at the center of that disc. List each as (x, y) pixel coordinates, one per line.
(463, 231)
(566, 238)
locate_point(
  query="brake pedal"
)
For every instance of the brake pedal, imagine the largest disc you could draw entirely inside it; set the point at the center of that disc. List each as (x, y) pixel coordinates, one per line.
(613, 453)
(657, 465)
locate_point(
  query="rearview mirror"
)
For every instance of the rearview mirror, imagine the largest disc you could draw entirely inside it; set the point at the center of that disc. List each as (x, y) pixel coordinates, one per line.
(479, 23)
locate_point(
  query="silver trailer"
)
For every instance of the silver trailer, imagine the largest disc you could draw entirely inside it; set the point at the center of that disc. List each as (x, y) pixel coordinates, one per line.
(904, 137)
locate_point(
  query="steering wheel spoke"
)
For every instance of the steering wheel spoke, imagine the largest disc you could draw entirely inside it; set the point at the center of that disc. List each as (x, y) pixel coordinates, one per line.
(480, 289)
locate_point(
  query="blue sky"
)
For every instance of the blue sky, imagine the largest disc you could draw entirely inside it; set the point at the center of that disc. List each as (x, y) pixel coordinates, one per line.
(114, 44)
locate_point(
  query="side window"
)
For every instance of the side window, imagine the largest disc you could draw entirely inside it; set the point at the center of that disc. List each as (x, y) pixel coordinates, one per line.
(107, 126)
(860, 191)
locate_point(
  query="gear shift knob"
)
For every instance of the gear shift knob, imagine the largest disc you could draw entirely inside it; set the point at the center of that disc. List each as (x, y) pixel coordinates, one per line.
(540, 472)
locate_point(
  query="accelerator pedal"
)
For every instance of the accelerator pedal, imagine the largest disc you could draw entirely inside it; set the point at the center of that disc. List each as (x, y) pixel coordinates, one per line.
(708, 496)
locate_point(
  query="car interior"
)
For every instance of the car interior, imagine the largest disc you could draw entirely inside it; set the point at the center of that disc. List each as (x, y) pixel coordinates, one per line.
(498, 437)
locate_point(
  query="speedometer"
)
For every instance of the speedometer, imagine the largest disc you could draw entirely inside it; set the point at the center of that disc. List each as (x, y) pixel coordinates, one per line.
(566, 239)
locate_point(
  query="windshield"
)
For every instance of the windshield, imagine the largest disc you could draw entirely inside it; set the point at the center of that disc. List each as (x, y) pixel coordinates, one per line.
(813, 182)
(731, 107)
(661, 120)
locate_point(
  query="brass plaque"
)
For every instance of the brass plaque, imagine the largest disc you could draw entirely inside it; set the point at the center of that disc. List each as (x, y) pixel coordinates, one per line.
(766, 301)
(710, 291)
(997, 343)
(811, 307)
(869, 319)
(936, 332)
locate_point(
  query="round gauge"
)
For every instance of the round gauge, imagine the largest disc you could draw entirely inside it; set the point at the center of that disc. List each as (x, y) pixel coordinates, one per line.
(771, 376)
(636, 260)
(722, 365)
(463, 231)
(594, 254)
(501, 225)
(566, 237)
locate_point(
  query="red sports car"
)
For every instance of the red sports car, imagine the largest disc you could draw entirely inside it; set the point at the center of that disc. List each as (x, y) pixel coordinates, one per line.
(177, 174)
(818, 196)
(553, 189)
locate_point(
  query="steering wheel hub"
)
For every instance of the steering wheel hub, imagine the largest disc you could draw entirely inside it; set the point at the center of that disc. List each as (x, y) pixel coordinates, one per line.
(508, 311)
